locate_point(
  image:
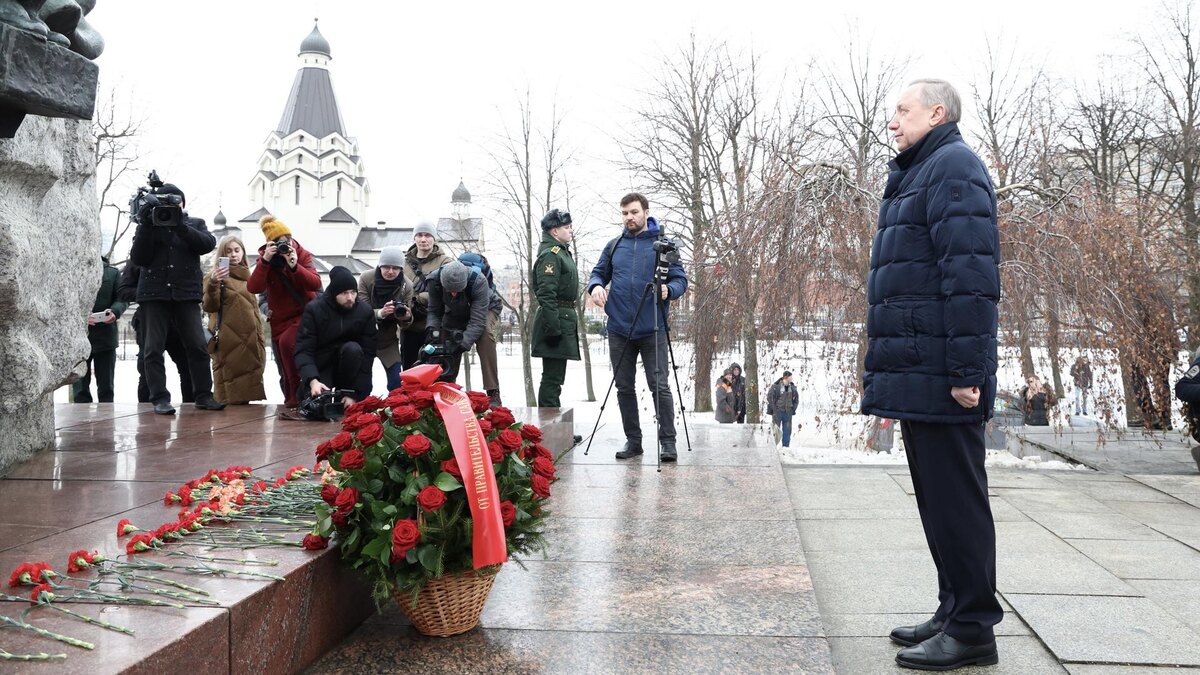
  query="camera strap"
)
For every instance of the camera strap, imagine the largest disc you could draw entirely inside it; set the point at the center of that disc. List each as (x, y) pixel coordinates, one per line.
(287, 283)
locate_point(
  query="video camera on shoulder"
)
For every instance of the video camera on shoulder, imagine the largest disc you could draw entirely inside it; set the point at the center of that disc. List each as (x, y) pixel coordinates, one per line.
(151, 206)
(439, 342)
(325, 406)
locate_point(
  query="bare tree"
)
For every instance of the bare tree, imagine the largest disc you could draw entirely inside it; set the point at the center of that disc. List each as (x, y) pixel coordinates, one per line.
(115, 144)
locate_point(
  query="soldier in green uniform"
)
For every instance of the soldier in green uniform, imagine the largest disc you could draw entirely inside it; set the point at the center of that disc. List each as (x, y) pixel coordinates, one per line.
(556, 285)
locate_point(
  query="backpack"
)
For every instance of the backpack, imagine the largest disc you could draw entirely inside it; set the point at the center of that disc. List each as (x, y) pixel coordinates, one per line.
(479, 264)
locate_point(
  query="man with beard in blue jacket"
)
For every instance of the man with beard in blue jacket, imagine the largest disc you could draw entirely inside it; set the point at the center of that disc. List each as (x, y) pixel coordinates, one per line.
(626, 266)
(933, 287)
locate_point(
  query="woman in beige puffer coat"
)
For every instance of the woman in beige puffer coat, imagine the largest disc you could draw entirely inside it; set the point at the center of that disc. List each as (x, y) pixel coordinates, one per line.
(238, 350)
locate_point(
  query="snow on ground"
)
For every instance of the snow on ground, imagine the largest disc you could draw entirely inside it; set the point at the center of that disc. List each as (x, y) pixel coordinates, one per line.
(830, 429)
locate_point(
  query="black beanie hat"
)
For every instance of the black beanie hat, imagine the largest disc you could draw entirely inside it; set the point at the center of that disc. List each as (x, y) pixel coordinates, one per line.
(555, 218)
(340, 281)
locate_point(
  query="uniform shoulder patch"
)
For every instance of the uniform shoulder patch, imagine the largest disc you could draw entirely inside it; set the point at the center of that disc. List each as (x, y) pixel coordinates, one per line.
(548, 268)
(555, 250)
(1193, 371)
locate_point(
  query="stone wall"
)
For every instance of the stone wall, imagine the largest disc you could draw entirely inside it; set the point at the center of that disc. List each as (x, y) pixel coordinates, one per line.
(49, 274)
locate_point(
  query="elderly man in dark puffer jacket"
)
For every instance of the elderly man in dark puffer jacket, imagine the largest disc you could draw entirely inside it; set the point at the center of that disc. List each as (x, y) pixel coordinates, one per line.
(933, 286)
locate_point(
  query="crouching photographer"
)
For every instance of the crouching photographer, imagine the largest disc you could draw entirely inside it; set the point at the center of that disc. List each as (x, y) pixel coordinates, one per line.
(167, 246)
(458, 308)
(335, 346)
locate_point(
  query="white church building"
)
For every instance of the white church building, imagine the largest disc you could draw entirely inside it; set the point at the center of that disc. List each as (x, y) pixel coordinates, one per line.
(311, 175)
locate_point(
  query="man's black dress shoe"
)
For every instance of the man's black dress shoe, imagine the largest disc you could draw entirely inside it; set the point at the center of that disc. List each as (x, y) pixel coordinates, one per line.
(209, 403)
(942, 652)
(631, 450)
(668, 451)
(164, 409)
(915, 635)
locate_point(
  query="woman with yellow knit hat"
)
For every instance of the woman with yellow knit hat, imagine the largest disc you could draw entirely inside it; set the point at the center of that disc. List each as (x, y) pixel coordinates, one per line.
(287, 273)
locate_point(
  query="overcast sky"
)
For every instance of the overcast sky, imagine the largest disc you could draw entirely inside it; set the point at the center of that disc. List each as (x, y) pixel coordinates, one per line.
(424, 86)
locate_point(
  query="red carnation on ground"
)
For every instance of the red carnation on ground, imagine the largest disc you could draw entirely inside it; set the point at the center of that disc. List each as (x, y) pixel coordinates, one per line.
(280, 483)
(496, 451)
(260, 486)
(81, 560)
(342, 442)
(125, 527)
(139, 544)
(370, 434)
(296, 472)
(479, 401)
(531, 433)
(171, 498)
(485, 426)
(543, 467)
(30, 574)
(509, 440)
(35, 597)
(431, 498)
(502, 418)
(314, 542)
(405, 535)
(508, 512)
(352, 460)
(405, 414)
(422, 399)
(450, 466)
(540, 485)
(329, 493)
(416, 445)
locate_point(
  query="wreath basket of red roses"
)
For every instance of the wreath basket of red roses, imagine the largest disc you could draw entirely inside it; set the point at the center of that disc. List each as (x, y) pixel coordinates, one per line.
(402, 509)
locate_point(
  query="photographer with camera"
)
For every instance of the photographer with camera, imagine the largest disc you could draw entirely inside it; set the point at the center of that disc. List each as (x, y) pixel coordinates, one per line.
(167, 246)
(458, 309)
(556, 285)
(288, 275)
(421, 259)
(335, 345)
(390, 295)
(628, 266)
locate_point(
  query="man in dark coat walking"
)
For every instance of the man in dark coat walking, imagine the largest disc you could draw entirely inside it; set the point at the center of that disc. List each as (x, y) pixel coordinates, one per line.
(169, 292)
(335, 346)
(102, 333)
(933, 286)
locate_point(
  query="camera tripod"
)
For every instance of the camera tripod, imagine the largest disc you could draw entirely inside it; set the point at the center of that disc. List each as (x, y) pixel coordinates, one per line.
(653, 290)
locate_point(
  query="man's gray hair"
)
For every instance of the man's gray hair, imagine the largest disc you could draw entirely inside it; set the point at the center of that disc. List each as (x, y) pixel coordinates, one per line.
(934, 92)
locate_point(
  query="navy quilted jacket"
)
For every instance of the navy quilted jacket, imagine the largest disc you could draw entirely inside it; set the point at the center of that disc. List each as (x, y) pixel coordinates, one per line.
(933, 286)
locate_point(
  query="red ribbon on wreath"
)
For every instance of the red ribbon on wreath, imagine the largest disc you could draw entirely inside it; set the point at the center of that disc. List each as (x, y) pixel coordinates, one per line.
(488, 546)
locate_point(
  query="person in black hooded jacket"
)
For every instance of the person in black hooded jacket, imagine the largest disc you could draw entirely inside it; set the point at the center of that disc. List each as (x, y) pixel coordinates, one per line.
(739, 393)
(335, 346)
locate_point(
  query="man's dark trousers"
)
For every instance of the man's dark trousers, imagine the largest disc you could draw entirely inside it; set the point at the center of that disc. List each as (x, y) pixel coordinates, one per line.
(654, 360)
(950, 482)
(156, 317)
(341, 371)
(176, 352)
(104, 364)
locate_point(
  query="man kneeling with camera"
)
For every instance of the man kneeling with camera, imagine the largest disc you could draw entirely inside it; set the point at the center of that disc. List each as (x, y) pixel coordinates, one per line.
(335, 346)
(458, 308)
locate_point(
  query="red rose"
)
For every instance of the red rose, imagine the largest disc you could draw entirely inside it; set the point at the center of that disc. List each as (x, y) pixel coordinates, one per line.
(341, 442)
(540, 485)
(324, 451)
(339, 518)
(405, 535)
(450, 466)
(370, 435)
(431, 498)
(501, 417)
(368, 404)
(543, 467)
(531, 433)
(479, 401)
(416, 445)
(485, 426)
(405, 414)
(422, 399)
(329, 493)
(314, 542)
(352, 460)
(356, 422)
(508, 512)
(496, 451)
(509, 439)
(540, 450)
(346, 500)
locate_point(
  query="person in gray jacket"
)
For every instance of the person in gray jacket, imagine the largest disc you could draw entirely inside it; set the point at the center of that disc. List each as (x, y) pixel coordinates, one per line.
(458, 309)
(782, 401)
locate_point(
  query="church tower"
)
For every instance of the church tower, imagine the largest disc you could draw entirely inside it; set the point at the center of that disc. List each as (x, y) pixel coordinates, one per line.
(310, 174)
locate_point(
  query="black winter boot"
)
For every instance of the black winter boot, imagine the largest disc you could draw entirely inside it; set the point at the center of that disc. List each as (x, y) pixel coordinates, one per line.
(494, 397)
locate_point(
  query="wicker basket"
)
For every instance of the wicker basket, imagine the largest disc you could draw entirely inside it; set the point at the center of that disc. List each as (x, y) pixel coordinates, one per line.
(449, 605)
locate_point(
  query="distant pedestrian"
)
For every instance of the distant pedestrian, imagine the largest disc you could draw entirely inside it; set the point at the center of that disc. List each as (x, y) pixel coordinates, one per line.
(1036, 401)
(102, 333)
(1187, 389)
(237, 346)
(1081, 373)
(782, 401)
(738, 382)
(723, 399)
(388, 293)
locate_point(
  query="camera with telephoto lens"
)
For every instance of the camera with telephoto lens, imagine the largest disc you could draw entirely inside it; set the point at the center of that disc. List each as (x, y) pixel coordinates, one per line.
(282, 246)
(325, 406)
(150, 206)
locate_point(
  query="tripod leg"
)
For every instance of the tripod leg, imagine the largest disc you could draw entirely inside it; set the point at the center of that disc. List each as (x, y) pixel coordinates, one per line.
(675, 370)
